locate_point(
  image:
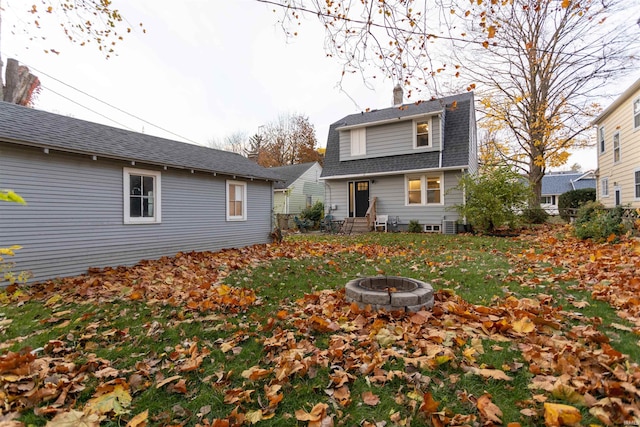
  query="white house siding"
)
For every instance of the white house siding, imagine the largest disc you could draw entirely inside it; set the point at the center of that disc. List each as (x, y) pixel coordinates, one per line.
(391, 139)
(621, 174)
(74, 216)
(390, 193)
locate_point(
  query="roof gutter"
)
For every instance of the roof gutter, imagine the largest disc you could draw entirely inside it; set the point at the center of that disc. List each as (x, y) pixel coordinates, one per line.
(409, 171)
(386, 121)
(48, 148)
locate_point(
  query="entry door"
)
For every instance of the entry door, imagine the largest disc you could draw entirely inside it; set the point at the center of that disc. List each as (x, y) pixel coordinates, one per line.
(361, 198)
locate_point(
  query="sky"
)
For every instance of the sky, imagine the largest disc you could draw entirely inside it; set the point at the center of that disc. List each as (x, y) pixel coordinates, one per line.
(204, 69)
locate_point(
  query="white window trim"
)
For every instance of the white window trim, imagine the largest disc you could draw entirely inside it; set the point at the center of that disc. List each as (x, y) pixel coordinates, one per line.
(429, 135)
(633, 114)
(636, 170)
(613, 148)
(423, 189)
(604, 185)
(157, 197)
(602, 143)
(242, 217)
(358, 142)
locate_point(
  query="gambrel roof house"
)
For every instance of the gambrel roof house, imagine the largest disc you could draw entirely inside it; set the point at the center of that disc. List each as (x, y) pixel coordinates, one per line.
(618, 141)
(101, 196)
(402, 161)
(300, 187)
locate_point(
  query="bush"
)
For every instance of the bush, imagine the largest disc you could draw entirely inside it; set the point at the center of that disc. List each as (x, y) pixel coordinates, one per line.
(414, 227)
(313, 213)
(493, 199)
(573, 200)
(535, 216)
(597, 223)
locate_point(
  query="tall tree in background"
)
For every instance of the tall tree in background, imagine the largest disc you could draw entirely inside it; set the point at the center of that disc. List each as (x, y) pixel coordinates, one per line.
(541, 73)
(291, 139)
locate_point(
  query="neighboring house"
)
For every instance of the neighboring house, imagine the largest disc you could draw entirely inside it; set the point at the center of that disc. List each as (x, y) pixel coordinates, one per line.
(99, 196)
(618, 139)
(556, 183)
(402, 161)
(300, 189)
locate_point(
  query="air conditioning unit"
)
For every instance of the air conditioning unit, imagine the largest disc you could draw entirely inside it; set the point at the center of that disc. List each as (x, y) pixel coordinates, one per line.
(449, 227)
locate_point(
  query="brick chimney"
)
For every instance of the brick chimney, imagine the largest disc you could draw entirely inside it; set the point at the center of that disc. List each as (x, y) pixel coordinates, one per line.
(398, 95)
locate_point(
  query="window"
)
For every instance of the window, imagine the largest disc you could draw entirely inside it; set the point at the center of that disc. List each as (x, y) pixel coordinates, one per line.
(424, 190)
(415, 191)
(236, 201)
(141, 189)
(422, 138)
(636, 113)
(548, 200)
(309, 201)
(604, 187)
(616, 147)
(636, 183)
(358, 142)
(601, 142)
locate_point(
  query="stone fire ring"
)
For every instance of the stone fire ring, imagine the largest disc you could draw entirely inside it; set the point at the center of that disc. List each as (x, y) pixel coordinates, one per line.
(390, 293)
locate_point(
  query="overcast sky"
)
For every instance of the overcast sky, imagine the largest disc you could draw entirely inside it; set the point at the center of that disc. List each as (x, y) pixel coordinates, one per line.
(204, 70)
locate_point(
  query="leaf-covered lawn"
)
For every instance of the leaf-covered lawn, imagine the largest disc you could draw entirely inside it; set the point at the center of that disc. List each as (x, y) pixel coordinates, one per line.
(535, 330)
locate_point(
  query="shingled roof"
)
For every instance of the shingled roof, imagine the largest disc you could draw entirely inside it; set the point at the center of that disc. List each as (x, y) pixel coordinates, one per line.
(558, 183)
(290, 173)
(27, 126)
(456, 139)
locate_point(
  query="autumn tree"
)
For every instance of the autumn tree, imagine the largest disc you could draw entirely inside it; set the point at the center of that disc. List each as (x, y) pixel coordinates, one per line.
(540, 74)
(289, 140)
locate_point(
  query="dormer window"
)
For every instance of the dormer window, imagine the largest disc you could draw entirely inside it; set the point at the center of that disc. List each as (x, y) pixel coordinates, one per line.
(422, 134)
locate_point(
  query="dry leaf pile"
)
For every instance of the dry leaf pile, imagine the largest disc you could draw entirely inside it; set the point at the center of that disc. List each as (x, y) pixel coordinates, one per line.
(569, 362)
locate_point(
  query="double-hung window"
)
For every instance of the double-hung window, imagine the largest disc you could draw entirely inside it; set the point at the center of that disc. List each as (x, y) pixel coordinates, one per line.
(141, 190)
(424, 190)
(616, 147)
(636, 183)
(422, 135)
(601, 141)
(636, 113)
(236, 201)
(604, 187)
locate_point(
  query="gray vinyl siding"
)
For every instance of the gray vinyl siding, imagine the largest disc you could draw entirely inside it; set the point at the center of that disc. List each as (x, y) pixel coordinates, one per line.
(308, 184)
(74, 214)
(390, 193)
(392, 139)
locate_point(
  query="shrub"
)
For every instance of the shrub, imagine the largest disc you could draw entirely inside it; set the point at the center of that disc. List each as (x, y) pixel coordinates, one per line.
(493, 199)
(414, 227)
(314, 212)
(597, 223)
(574, 199)
(535, 216)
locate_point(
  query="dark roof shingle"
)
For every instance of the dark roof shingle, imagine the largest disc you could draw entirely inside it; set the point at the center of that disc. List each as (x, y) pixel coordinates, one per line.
(456, 139)
(27, 126)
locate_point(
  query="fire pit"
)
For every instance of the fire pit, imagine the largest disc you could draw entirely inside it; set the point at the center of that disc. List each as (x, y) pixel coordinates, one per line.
(390, 293)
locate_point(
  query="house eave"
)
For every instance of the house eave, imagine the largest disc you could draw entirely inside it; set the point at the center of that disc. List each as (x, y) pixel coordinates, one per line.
(387, 121)
(397, 172)
(137, 160)
(618, 101)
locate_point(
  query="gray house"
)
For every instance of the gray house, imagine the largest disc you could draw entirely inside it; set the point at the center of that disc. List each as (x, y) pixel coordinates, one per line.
(300, 189)
(101, 196)
(402, 162)
(556, 183)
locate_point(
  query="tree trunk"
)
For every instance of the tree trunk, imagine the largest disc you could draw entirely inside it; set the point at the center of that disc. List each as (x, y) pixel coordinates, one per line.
(21, 84)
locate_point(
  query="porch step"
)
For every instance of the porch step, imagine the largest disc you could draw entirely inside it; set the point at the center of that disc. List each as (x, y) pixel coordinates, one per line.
(355, 226)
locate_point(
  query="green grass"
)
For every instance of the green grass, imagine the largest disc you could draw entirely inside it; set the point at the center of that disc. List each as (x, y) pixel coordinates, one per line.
(132, 335)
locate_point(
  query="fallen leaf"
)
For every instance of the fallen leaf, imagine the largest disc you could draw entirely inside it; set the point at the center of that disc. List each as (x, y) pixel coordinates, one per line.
(368, 398)
(489, 410)
(75, 418)
(556, 415)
